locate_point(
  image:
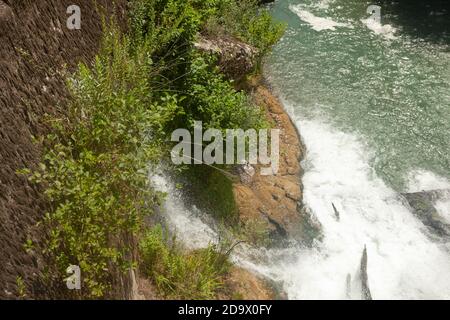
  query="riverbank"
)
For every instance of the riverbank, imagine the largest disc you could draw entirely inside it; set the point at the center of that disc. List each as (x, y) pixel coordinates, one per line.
(268, 207)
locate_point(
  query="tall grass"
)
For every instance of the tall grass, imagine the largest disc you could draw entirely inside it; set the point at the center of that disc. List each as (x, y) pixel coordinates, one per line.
(179, 275)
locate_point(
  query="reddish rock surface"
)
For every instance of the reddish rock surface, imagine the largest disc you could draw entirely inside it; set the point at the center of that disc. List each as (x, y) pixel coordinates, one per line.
(243, 285)
(275, 200)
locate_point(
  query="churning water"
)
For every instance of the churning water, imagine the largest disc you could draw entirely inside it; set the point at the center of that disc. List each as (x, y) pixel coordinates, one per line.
(371, 101)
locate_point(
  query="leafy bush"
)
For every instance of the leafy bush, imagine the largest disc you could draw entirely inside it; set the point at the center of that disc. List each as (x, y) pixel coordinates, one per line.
(96, 163)
(212, 99)
(166, 30)
(179, 275)
(244, 20)
(169, 27)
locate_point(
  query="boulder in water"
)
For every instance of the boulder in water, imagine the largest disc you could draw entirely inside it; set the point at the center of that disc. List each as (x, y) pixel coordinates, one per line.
(422, 205)
(336, 212)
(365, 290)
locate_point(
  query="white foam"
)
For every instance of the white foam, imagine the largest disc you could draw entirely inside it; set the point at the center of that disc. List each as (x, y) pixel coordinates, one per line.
(316, 23)
(402, 262)
(423, 180)
(386, 30)
(322, 4)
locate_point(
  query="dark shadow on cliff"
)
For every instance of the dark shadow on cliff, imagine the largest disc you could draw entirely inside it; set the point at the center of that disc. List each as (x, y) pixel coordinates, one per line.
(429, 20)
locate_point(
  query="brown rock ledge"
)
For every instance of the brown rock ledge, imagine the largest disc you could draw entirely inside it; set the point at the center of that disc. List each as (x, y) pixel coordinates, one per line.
(241, 284)
(275, 201)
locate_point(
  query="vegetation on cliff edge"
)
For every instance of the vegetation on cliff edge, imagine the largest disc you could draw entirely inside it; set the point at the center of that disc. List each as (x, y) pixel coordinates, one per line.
(140, 87)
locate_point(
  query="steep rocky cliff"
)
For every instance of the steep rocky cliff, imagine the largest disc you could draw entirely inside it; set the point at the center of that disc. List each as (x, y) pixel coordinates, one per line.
(36, 50)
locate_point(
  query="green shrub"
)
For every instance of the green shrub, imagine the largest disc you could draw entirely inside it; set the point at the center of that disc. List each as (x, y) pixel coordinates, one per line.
(244, 20)
(166, 29)
(212, 99)
(179, 275)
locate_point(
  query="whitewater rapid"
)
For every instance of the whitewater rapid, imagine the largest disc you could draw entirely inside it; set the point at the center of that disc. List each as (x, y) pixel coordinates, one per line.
(186, 222)
(404, 261)
(350, 84)
(325, 23)
(317, 23)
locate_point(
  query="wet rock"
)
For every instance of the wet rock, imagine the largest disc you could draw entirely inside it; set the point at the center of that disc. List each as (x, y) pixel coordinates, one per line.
(278, 227)
(291, 189)
(422, 205)
(311, 227)
(6, 13)
(276, 201)
(336, 212)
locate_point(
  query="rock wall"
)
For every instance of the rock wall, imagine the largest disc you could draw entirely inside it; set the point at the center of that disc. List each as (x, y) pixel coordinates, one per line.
(36, 50)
